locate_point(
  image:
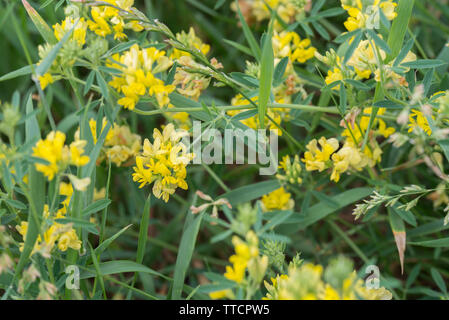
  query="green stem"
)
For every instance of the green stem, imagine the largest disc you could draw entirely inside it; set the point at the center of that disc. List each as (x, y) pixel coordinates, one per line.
(307, 108)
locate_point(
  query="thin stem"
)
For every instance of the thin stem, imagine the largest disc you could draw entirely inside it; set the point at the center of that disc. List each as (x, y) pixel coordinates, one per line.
(308, 108)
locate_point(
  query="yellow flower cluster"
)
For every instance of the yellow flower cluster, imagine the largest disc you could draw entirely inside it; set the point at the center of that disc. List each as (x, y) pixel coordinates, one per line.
(306, 283)
(163, 162)
(350, 156)
(191, 40)
(62, 235)
(139, 67)
(107, 19)
(120, 145)
(279, 199)
(363, 63)
(78, 39)
(58, 155)
(289, 44)
(364, 13)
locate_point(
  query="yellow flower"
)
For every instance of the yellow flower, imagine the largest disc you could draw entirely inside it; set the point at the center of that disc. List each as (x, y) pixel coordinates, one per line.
(76, 153)
(79, 33)
(227, 293)
(66, 189)
(138, 67)
(277, 200)
(107, 19)
(289, 44)
(418, 120)
(58, 156)
(305, 282)
(163, 162)
(364, 59)
(347, 157)
(333, 76)
(190, 40)
(365, 14)
(317, 158)
(388, 8)
(54, 233)
(244, 252)
(69, 240)
(45, 80)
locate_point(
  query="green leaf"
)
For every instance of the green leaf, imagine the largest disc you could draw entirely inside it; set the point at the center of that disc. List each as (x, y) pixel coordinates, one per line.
(97, 269)
(436, 276)
(279, 71)
(96, 206)
(17, 73)
(221, 236)
(40, 24)
(407, 216)
(89, 82)
(439, 243)
(16, 204)
(399, 28)
(403, 53)
(143, 230)
(219, 4)
(36, 183)
(343, 99)
(251, 192)
(413, 275)
(329, 201)
(118, 266)
(79, 223)
(357, 84)
(119, 48)
(322, 209)
(238, 46)
(266, 76)
(278, 218)
(102, 84)
(185, 253)
(424, 64)
(354, 44)
(248, 34)
(379, 41)
(105, 244)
